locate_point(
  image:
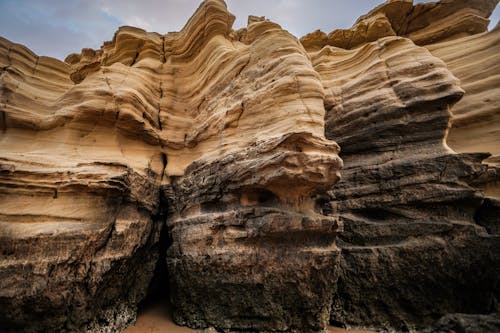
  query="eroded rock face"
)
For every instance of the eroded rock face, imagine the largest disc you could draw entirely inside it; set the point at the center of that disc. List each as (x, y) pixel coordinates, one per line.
(77, 245)
(227, 141)
(249, 236)
(232, 150)
(423, 23)
(413, 245)
(250, 249)
(78, 215)
(460, 322)
(475, 122)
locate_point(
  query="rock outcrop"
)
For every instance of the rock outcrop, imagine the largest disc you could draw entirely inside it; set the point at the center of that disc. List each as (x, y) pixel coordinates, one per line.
(78, 214)
(227, 144)
(476, 117)
(198, 125)
(413, 245)
(423, 23)
(468, 323)
(405, 199)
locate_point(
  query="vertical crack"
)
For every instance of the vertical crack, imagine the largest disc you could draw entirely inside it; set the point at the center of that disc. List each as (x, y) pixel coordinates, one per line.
(108, 83)
(164, 162)
(137, 53)
(3, 121)
(163, 53)
(159, 106)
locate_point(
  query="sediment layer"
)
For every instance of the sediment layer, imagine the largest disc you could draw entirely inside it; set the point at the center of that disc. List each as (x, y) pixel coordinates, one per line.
(342, 178)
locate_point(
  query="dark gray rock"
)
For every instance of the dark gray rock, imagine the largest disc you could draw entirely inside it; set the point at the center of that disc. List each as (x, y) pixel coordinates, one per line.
(468, 323)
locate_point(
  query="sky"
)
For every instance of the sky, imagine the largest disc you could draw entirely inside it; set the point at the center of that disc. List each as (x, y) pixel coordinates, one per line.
(59, 27)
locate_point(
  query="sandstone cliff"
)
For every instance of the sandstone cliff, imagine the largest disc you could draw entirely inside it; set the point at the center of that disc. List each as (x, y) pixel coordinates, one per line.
(216, 153)
(412, 208)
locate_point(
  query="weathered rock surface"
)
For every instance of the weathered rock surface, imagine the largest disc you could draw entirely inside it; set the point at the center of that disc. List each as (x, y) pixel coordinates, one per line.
(466, 323)
(78, 218)
(199, 125)
(249, 250)
(413, 245)
(423, 23)
(246, 233)
(227, 142)
(476, 118)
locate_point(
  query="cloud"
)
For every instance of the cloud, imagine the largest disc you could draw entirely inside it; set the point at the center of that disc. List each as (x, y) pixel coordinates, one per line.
(301, 17)
(153, 15)
(57, 28)
(297, 16)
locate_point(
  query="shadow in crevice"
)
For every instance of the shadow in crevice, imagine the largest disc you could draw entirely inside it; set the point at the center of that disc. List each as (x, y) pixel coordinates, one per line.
(158, 290)
(155, 311)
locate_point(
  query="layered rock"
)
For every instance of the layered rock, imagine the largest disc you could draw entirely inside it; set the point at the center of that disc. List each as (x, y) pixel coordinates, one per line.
(77, 244)
(147, 126)
(424, 23)
(476, 117)
(220, 136)
(78, 215)
(247, 235)
(412, 248)
(249, 250)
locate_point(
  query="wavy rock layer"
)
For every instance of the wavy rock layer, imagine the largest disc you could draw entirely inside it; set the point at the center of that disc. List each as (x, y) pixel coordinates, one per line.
(411, 245)
(424, 23)
(475, 121)
(216, 138)
(258, 115)
(476, 117)
(206, 125)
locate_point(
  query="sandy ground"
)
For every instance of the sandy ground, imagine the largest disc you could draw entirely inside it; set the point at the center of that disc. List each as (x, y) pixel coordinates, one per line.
(157, 319)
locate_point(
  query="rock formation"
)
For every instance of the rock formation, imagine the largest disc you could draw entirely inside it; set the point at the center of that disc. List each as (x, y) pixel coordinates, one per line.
(423, 23)
(412, 210)
(476, 118)
(226, 143)
(468, 323)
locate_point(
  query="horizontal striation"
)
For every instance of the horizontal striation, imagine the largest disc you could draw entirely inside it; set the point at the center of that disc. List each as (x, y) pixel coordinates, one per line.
(229, 94)
(474, 60)
(188, 128)
(192, 93)
(67, 232)
(423, 23)
(374, 94)
(31, 86)
(225, 138)
(289, 169)
(403, 194)
(129, 46)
